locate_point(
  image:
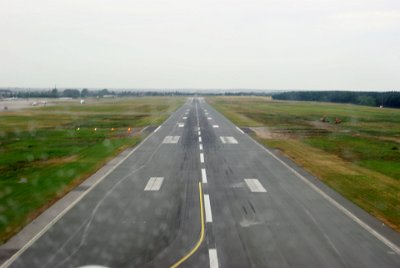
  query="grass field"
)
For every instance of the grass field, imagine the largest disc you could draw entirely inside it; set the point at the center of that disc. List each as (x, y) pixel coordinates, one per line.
(46, 151)
(360, 157)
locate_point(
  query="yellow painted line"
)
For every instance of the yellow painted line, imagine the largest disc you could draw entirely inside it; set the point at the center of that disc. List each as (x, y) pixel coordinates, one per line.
(187, 256)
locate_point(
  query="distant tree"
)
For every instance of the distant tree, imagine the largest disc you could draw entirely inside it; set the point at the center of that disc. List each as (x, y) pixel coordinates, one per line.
(387, 99)
(71, 93)
(104, 92)
(54, 93)
(366, 100)
(84, 93)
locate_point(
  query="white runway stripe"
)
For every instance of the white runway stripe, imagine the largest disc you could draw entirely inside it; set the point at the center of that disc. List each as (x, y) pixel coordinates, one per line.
(255, 185)
(154, 184)
(229, 140)
(171, 139)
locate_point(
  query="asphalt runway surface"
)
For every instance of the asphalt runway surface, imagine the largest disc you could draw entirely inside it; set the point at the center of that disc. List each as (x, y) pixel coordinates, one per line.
(198, 192)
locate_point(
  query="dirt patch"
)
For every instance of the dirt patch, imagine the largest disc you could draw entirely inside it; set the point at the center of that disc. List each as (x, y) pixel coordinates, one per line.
(323, 125)
(281, 134)
(60, 160)
(267, 133)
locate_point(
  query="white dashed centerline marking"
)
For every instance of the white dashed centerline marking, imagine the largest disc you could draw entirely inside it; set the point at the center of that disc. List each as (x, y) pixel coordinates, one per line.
(207, 207)
(209, 118)
(181, 125)
(184, 118)
(199, 132)
(201, 158)
(199, 139)
(201, 147)
(215, 126)
(154, 184)
(255, 186)
(203, 175)
(212, 253)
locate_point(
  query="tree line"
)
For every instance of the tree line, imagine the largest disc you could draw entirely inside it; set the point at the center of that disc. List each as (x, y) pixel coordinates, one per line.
(84, 93)
(385, 99)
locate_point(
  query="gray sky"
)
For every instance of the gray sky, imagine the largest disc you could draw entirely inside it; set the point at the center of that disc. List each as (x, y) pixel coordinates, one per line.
(265, 44)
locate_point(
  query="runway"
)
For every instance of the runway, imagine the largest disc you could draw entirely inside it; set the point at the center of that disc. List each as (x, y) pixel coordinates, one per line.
(199, 192)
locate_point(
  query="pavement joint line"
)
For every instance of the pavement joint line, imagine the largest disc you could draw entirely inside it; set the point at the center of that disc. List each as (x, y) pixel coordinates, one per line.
(203, 175)
(207, 206)
(345, 211)
(8, 262)
(201, 158)
(212, 253)
(201, 238)
(241, 131)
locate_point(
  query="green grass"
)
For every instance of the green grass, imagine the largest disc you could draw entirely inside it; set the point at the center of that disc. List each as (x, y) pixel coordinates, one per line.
(43, 154)
(359, 157)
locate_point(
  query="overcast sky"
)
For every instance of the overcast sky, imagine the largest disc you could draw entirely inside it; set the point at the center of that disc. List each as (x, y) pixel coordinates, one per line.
(258, 44)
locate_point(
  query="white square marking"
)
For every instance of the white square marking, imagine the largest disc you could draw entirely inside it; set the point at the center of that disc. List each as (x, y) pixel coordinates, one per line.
(215, 126)
(229, 140)
(255, 186)
(171, 139)
(154, 184)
